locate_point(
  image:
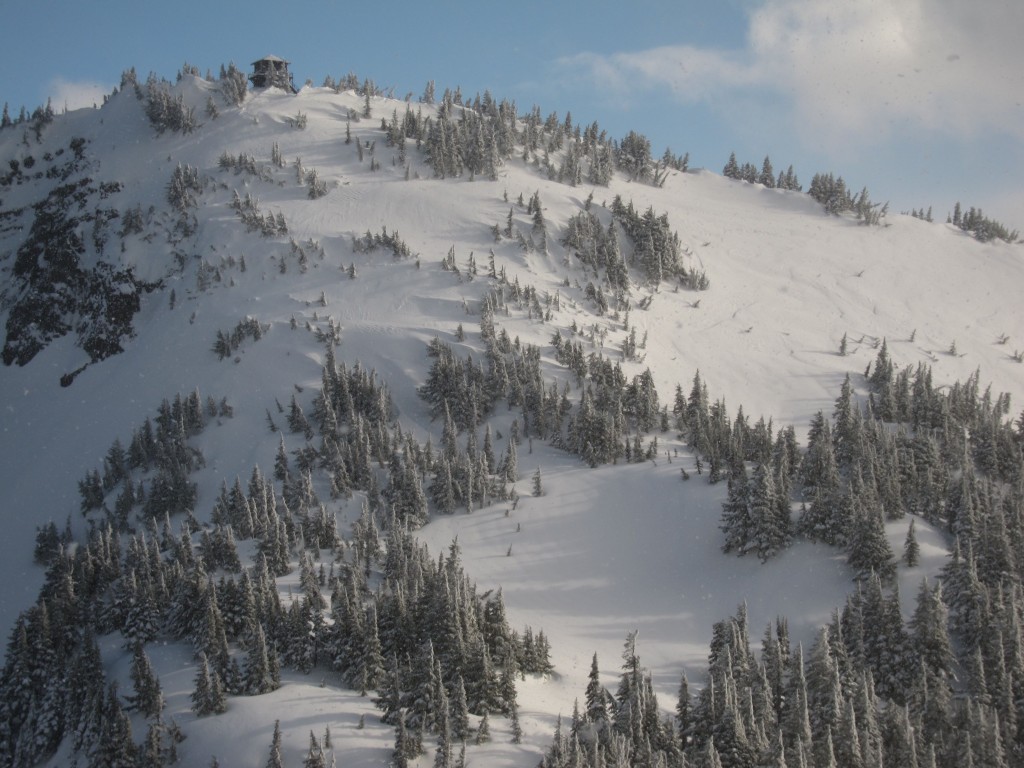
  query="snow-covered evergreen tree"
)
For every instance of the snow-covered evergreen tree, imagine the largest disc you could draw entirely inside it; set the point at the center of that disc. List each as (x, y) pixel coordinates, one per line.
(148, 697)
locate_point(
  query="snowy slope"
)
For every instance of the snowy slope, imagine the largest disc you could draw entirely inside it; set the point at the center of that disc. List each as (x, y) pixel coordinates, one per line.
(604, 551)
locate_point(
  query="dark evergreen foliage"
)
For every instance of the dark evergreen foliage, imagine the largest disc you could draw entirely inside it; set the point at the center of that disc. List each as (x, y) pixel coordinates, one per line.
(597, 247)
(391, 241)
(269, 225)
(868, 694)
(657, 251)
(166, 112)
(233, 84)
(634, 157)
(183, 188)
(148, 697)
(748, 172)
(982, 227)
(831, 192)
(53, 290)
(163, 448)
(227, 342)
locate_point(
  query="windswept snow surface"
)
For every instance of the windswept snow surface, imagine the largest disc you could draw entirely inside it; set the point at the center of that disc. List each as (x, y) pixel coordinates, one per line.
(602, 552)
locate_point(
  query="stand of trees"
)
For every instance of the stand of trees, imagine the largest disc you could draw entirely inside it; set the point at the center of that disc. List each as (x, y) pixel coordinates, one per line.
(433, 649)
(873, 690)
(979, 225)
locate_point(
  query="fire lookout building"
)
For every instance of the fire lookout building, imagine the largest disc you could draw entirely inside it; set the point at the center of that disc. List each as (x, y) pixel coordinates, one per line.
(271, 71)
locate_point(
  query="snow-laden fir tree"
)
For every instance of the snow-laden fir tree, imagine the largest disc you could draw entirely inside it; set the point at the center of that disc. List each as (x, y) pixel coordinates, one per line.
(148, 697)
(274, 759)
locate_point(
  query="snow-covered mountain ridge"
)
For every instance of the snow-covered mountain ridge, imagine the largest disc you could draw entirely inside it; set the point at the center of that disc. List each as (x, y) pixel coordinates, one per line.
(603, 551)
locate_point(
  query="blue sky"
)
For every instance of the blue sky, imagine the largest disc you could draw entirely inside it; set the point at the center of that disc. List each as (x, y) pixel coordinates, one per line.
(922, 101)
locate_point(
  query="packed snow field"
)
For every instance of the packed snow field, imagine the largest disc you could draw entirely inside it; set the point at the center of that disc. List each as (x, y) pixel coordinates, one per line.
(600, 552)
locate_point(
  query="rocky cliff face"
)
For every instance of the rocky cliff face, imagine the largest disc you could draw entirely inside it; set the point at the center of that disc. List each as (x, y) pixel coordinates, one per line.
(62, 280)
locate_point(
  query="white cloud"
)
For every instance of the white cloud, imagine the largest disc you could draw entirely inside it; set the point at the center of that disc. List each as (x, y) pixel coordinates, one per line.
(75, 95)
(851, 71)
(691, 73)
